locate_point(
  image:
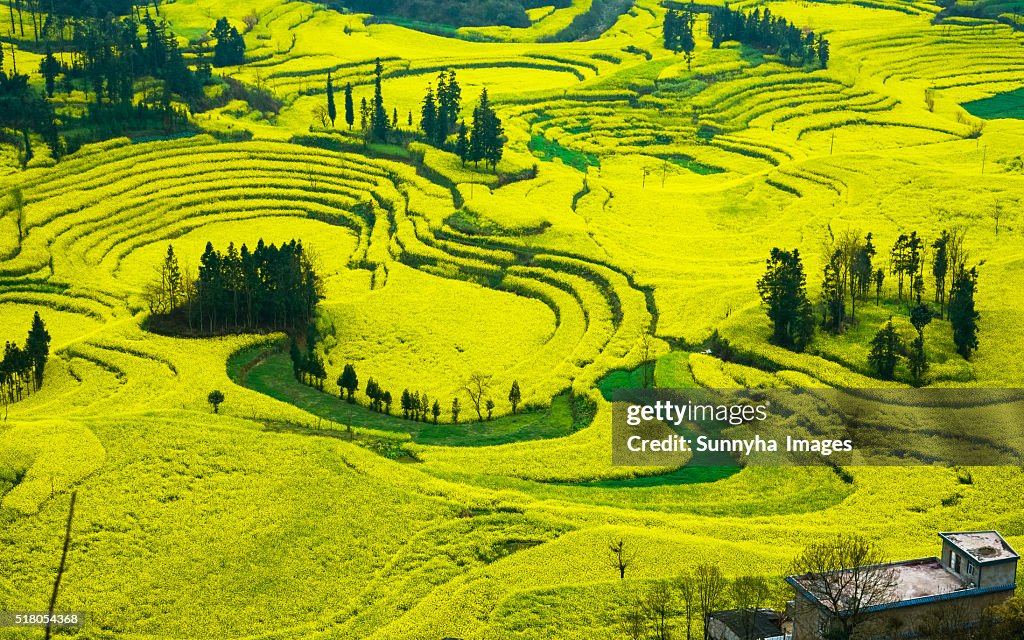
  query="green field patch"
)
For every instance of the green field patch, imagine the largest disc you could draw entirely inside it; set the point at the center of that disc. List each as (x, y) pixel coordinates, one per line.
(670, 371)
(548, 150)
(682, 475)
(272, 375)
(1009, 104)
(688, 163)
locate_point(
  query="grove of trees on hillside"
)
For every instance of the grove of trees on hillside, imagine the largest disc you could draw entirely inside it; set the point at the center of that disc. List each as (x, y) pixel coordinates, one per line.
(851, 274)
(269, 288)
(22, 368)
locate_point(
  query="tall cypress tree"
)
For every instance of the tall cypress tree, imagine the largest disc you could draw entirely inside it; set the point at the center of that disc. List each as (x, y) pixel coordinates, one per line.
(428, 115)
(38, 348)
(332, 109)
(462, 143)
(833, 295)
(449, 99)
(885, 348)
(379, 119)
(962, 314)
(350, 110)
(940, 269)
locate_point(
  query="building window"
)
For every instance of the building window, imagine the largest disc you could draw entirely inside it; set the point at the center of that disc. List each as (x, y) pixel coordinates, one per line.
(970, 569)
(956, 562)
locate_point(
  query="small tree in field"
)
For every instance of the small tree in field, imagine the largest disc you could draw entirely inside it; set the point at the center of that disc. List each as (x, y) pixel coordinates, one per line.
(687, 587)
(515, 396)
(18, 212)
(710, 586)
(455, 411)
(619, 557)
(348, 382)
(962, 313)
(477, 387)
(885, 350)
(215, 399)
(436, 410)
(490, 408)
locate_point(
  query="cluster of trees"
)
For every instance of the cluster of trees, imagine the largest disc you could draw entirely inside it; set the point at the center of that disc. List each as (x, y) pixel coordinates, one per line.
(270, 288)
(851, 274)
(309, 369)
(374, 120)
(230, 47)
(106, 49)
(678, 33)
(483, 142)
(440, 112)
(106, 57)
(22, 368)
(769, 33)
(682, 607)
(25, 110)
(380, 398)
(416, 406)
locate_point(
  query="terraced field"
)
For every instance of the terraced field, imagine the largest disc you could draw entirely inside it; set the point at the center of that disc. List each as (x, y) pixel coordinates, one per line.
(629, 219)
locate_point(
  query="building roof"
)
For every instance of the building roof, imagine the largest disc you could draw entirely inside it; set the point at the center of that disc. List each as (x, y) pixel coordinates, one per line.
(912, 580)
(764, 623)
(982, 546)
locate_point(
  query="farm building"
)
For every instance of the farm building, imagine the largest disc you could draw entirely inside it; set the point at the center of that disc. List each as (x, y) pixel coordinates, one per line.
(976, 570)
(746, 624)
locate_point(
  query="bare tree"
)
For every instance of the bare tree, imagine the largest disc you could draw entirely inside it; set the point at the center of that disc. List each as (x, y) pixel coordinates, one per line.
(848, 575)
(659, 606)
(997, 213)
(956, 254)
(749, 594)
(633, 621)
(320, 115)
(619, 557)
(477, 387)
(711, 585)
(686, 584)
(18, 212)
(250, 20)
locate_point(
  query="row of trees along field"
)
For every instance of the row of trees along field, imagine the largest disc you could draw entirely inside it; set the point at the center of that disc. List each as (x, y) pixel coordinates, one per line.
(850, 275)
(22, 368)
(853, 575)
(759, 29)
(271, 288)
(308, 368)
(374, 121)
(483, 141)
